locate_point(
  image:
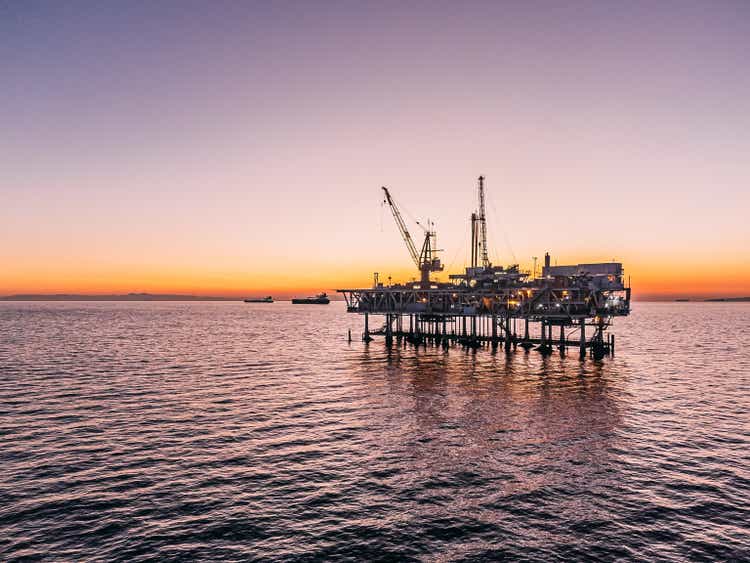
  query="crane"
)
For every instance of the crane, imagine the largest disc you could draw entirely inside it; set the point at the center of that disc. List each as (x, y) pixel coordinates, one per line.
(426, 260)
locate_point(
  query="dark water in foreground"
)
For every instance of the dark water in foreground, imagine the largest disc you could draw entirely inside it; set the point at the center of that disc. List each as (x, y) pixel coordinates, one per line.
(133, 431)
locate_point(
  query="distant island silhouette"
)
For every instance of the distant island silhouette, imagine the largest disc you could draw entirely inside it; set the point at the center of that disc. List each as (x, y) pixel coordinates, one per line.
(114, 297)
(716, 299)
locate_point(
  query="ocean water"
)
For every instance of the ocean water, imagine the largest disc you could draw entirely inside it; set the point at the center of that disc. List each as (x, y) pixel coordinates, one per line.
(205, 431)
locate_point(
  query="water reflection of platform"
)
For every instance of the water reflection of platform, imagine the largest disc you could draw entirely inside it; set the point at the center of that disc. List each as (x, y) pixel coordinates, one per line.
(497, 425)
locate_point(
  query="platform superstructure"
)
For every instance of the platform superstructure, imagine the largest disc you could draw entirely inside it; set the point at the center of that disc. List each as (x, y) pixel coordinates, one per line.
(569, 306)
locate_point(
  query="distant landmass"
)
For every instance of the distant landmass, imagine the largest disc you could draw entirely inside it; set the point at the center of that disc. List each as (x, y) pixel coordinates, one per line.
(124, 297)
(717, 299)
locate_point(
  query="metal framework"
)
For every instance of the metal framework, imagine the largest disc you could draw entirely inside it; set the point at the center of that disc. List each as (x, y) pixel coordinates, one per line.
(476, 317)
(485, 305)
(483, 224)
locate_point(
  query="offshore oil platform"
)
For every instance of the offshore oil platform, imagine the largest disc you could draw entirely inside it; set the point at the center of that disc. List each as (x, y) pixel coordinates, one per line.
(491, 305)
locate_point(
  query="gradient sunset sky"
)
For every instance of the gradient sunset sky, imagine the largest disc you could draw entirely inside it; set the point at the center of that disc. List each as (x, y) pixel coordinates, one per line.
(238, 148)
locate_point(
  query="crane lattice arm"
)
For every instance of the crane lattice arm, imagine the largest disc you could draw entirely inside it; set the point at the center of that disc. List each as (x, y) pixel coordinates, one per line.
(402, 227)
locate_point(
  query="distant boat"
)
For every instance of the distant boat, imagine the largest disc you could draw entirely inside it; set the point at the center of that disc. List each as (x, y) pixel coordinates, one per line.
(268, 299)
(320, 299)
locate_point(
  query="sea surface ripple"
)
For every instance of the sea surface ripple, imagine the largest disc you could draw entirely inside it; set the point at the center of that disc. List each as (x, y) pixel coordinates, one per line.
(205, 431)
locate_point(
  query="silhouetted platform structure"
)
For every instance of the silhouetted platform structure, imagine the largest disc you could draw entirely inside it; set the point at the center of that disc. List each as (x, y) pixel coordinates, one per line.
(492, 305)
(550, 312)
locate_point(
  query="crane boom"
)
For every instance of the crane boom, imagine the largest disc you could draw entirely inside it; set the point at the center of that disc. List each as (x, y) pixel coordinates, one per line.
(426, 260)
(402, 228)
(483, 224)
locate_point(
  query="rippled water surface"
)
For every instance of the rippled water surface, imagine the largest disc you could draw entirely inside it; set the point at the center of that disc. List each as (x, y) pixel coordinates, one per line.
(134, 431)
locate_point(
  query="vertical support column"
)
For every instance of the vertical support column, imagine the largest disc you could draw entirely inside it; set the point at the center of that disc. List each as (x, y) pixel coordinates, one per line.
(366, 336)
(546, 345)
(562, 339)
(612, 346)
(507, 331)
(494, 330)
(597, 345)
(582, 345)
(388, 330)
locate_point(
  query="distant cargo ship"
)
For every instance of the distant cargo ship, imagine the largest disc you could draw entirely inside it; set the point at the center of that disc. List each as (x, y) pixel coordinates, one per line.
(320, 299)
(268, 299)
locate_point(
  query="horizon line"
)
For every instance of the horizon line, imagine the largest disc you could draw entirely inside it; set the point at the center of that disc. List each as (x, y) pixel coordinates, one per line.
(148, 296)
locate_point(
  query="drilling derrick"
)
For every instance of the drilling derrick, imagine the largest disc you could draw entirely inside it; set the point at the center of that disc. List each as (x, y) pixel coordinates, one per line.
(482, 218)
(426, 260)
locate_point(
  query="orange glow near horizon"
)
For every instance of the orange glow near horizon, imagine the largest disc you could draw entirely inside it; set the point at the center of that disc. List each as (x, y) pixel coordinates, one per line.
(649, 281)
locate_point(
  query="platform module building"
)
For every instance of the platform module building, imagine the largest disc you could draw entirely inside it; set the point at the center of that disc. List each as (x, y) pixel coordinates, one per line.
(495, 305)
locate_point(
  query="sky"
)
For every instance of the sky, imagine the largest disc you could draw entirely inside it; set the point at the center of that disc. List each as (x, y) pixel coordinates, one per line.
(238, 148)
